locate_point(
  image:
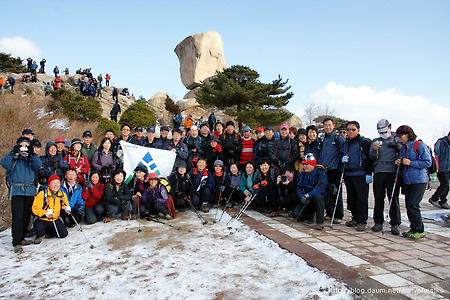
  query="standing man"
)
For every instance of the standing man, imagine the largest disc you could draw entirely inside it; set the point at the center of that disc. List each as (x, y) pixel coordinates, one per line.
(231, 143)
(108, 78)
(87, 147)
(21, 165)
(211, 121)
(330, 158)
(42, 63)
(265, 144)
(100, 80)
(384, 152)
(163, 139)
(357, 176)
(285, 150)
(56, 71)
(150, 140)
(442, 151)
(248, 145)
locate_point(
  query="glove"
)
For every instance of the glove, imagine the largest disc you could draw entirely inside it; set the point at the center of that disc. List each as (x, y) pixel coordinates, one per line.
(89, 184)
(264, 182)
(345, 159)
(305, 200)
(255, 186)
(49, 213)
(67, 209)
(15, 149)
(368, 179)
(221, 189)
(30, 151)
(77, 206)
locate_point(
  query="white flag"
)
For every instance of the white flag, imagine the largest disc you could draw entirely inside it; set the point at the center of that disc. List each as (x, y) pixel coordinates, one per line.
(156, 160)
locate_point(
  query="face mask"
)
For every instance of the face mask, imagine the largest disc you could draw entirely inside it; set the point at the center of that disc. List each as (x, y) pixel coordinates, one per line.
(384, 135)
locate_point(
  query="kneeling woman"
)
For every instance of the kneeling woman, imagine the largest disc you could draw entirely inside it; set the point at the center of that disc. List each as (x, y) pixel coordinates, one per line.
(157, 197)
(93, 206)
(47, 206)
(117, 197)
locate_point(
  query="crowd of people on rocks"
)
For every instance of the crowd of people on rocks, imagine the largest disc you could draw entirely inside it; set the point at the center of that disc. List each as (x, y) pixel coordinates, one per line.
(297, 171)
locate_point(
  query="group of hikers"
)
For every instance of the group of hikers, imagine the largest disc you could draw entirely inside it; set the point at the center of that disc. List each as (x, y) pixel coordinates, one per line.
(299, 171)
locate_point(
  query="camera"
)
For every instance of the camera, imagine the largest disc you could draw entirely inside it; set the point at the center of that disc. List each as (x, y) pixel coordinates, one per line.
(283, 178)
(23, 149)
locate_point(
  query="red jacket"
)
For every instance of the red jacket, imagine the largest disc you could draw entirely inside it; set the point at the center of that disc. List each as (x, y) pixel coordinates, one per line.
(79, 162)
(94, 195)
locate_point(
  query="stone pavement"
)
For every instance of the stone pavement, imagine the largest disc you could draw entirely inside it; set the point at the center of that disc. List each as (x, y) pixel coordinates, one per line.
(373, 265)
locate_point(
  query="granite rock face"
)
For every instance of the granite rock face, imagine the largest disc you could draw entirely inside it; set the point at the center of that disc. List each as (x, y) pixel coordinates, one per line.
(201, 56)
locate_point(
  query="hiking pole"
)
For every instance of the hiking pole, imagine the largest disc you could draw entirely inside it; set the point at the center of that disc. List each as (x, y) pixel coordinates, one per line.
(56, 229)
(337, 196)
(139, 214)
(392, 197)
(226, 203)
(218, 202)
(170, 225)
(204, 222)
(79, 227)
(243, 208)
(303, 208)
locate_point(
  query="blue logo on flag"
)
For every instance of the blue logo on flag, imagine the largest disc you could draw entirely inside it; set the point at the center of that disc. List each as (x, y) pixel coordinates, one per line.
(147, 161)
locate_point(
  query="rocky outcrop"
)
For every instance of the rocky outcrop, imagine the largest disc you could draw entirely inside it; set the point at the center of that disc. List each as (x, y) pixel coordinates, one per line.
(201, 56)
(157, 104)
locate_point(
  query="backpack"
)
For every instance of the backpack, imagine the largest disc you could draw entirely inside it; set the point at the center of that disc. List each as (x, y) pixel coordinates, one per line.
(433, 168)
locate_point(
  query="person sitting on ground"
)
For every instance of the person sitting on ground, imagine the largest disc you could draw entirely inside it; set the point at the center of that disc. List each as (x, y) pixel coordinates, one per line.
(93, 193)
(157, 197)
(47, 206)
(203, 183)
(287, 188)
(247, 179)
(138, 186)
(234, 181)
(117, 197)
(265, 183)
(214, 152)
(47, 89)
(311, 190)
(221, 183)
(73, 190)
(182, 187)
(77, 160)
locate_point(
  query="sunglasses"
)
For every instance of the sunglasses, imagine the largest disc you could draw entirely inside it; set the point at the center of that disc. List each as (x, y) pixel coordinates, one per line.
(352, 129)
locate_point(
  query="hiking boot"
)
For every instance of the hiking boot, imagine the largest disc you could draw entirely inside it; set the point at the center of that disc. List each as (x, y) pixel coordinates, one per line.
(395, 230)
(205, 208)
(327, 217)
(274, 214)
(337, 221)
(377, 227)
(125, 218)
(108, 219)
(181, 210)
(229, 205)
(434, 203)
(309, 222)
(134, 217)
(25, 242)
(361, 227)
(38, 240)
(318, 226)
(446, 219)
(168, 217)
(18, 249)
(351, 223)
(414, 235)
(445, 205)
(160, 215)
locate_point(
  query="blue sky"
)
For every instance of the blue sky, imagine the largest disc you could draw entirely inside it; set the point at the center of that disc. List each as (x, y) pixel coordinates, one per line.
(339, 53)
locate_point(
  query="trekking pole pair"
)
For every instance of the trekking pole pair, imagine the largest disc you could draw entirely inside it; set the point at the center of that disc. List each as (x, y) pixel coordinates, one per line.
(218, 203)
(243, 207)
(226, 203)
(79, 227)
(204, 222)
(170, 225)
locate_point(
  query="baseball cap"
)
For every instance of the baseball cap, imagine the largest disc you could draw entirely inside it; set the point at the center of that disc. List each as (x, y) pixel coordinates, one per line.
(27, 131)
(383, 125)
(259, 129)
(139, 128)
(151, 129)
(60, 140)
(87, 133)
(284, 126)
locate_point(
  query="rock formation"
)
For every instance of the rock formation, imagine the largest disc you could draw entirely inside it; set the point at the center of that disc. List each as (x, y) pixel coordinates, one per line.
(200, 55)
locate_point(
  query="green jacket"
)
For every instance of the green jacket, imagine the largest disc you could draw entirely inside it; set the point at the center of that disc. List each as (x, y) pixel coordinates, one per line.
(88, 151)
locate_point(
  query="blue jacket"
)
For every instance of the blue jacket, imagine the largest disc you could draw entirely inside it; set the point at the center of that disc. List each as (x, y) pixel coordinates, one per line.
(359, 163)
(417, 172)
(76, 196)
(202, 179)
(442, 151)
(308, 181)
(330, 155)
(21, 172)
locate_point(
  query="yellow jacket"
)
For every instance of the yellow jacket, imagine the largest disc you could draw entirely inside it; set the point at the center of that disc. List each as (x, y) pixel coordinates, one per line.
(44, 201)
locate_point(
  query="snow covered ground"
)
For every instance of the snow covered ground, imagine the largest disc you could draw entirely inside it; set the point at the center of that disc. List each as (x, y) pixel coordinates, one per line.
(160, 262)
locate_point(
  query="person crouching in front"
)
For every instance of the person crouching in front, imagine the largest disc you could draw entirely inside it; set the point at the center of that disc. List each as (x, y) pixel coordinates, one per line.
(47, 207)
(311, 189)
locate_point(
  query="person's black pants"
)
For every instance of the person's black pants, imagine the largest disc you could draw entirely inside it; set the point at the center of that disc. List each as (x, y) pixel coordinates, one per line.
(442, 191)
(42, 227)
(334, 179)
(306, 211)
(358, 197)
(383, 183)
(413, 197)
(21, 214)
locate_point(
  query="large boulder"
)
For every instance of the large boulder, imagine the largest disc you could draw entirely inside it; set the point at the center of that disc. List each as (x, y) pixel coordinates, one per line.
(157, 104)
(201, 56)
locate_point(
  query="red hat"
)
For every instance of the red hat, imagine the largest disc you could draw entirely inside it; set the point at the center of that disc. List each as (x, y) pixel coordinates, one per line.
(152, 175)
(309, 159)
(60, 140)
(260, 129)
(53, 177)
(284, 126)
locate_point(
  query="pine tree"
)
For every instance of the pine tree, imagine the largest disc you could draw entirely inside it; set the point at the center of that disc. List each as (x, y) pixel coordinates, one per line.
(239, 92)
(11, 64)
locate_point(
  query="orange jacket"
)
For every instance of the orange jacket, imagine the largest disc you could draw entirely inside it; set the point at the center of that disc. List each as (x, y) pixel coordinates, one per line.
(188, 123)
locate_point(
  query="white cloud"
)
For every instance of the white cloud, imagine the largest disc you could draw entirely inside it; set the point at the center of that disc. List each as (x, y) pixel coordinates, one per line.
(19, 46)
(367, 106)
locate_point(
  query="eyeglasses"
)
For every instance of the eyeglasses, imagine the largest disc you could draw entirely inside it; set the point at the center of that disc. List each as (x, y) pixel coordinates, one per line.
(352, 129)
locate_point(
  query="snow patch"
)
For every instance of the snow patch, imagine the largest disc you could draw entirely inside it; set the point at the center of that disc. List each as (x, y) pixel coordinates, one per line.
(59, 124)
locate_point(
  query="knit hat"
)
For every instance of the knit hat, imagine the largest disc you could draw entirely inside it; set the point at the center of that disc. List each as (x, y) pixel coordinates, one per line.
(218, 162)
(36, 143)
(212, 137)
(75, 141)
(181, 163)
(53, 177)
(302, 131)
(309, 159)
(67, 144)
(229, 123)
(141, 168)
(383, 125)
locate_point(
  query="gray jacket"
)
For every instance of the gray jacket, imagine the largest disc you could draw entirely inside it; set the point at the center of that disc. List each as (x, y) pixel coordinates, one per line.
(385, 156)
